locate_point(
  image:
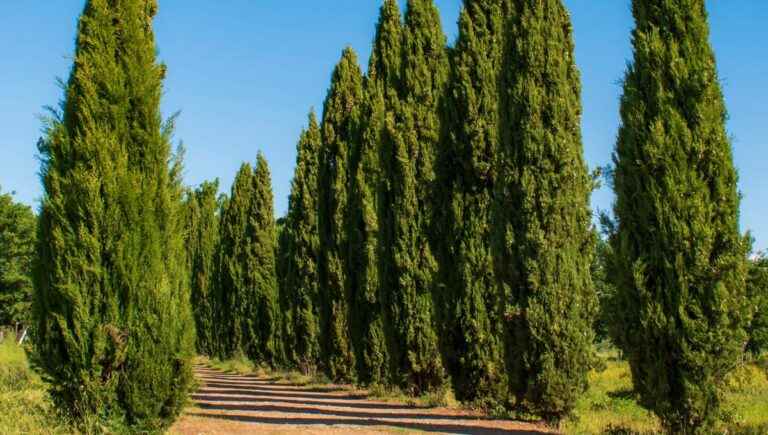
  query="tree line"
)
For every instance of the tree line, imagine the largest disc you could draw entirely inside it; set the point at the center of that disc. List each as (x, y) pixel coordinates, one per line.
(438, 235)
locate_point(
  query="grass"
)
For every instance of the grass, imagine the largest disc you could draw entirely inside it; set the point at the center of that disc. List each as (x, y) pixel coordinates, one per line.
(610, 405)
(25, 404)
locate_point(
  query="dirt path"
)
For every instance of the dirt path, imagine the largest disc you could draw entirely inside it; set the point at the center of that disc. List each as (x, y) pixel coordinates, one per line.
(228, 403)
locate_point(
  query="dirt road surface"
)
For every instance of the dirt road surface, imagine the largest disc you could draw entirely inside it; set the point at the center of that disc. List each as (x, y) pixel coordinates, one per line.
(238, 404)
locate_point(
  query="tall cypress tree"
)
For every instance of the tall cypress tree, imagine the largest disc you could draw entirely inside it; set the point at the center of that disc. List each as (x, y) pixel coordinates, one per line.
(235, 315)
(114, 328)
(680, 260)
(381, 87)
(414, 130)
(542, 219)
(265, 309)
(248, 272)
(202, 241)
(341, 115)
(466, 174)
(300, 274)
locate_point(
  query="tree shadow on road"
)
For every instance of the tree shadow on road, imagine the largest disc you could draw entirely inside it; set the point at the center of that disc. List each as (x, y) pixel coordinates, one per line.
(424, 427)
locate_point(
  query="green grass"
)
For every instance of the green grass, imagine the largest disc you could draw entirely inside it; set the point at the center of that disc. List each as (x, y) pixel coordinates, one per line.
(25, 407)
(610, 406)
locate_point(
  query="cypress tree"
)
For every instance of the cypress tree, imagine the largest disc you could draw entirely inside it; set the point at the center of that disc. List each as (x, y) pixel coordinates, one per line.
(249, 313)
(202, 247)
(414, 130)
(236, 259)
(543, 235)
(114, 328)
(341, 114)
(264, 273)
(680, 260)
(380, 88)
(300, 274)
(473, 315)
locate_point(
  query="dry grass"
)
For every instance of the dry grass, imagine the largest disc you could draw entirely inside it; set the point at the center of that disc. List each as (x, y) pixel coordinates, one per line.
(24, 403)
(610, 406)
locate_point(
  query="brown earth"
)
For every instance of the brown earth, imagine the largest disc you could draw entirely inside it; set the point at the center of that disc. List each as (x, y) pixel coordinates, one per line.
(238, 404)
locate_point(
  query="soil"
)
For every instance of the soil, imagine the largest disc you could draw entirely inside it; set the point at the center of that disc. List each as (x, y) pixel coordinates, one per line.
(239, 404)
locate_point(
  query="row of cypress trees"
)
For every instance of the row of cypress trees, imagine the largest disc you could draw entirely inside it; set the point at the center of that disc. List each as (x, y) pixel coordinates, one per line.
(452, 212)
(438, 230)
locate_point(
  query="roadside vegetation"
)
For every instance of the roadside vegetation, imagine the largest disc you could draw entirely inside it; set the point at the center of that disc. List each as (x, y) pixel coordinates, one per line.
(25, 406)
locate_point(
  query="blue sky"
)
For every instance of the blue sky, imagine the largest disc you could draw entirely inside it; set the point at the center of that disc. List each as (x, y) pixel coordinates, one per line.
(244, 74)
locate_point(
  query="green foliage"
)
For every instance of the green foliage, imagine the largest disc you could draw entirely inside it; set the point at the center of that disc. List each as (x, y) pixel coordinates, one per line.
(299, 248)
(202, 241)
(472, 309)
(248, 283)
(679, 264)
(408, 171)
(542, 217)
(757, 292)
(26, 405)
(340, 134)
(113, 324)
(17, 247)
(366, 201)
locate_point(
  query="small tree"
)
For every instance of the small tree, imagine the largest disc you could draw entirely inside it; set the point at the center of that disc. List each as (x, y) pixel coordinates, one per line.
(757, 292)
(17, 248)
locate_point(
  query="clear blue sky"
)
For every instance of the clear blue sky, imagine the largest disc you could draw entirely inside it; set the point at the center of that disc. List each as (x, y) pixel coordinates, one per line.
(244, 74)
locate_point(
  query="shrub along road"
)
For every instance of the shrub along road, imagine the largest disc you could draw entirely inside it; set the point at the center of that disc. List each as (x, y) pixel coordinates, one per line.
(231, 403)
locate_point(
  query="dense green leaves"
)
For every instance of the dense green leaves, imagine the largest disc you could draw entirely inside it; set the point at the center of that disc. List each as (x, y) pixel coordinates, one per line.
(410, 176)
(114, 328)
(340, 135)
(679, 258)
(248, 317)
(367, 199)
(300, 244)
(17, 247)
(542, 217)
(757, 292)
(202, 241)
(472, 308)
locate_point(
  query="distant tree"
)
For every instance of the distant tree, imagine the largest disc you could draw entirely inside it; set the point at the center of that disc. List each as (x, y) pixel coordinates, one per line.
(113, 323)
(202, 241)
(366, 200)
(604, 289)
(757, 292)
(542, 222)
(235, 317)
(340, 134)
(17, 250)
(266, 290)
(300, 245)
(249, 321)
(414, 132)
(679, 258)
(472, 307)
